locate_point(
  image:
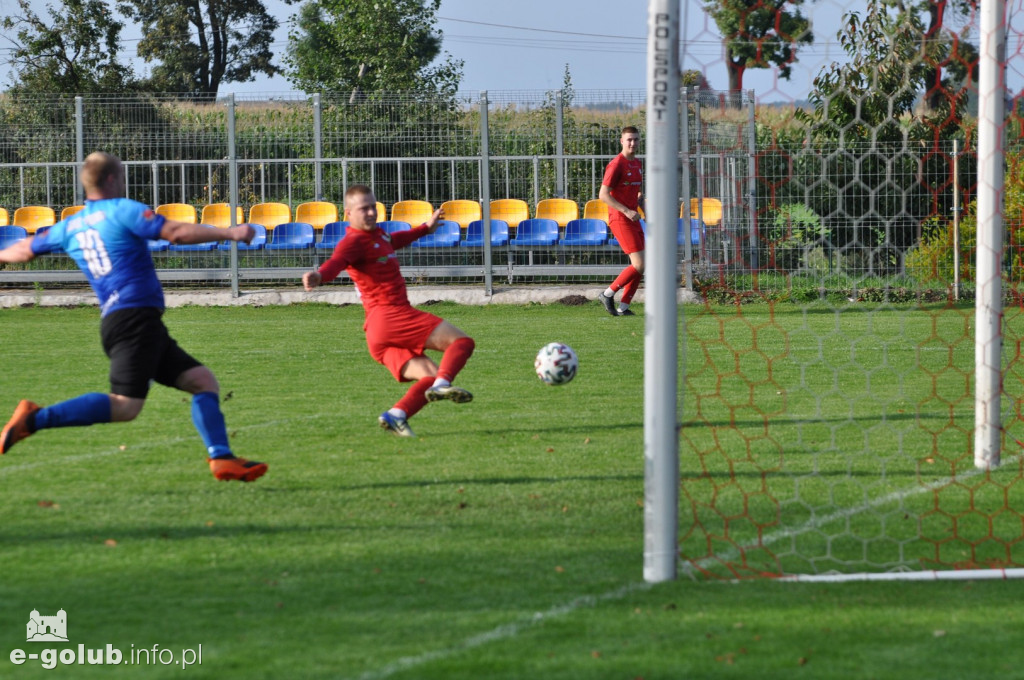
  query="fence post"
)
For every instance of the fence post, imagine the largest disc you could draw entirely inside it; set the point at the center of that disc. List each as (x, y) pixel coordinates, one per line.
(232, 192)
(755, 259)
(155, 173)
(536, 180)
(79, 147)
(559, 148)
(485, 194)
(318, 151)
(684, 144)
(956, 219)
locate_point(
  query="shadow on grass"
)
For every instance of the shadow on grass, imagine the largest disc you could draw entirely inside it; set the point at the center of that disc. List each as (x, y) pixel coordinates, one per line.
(496, 481)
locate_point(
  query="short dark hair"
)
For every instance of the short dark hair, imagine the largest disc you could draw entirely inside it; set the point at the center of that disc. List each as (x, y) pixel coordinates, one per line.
(630, 129)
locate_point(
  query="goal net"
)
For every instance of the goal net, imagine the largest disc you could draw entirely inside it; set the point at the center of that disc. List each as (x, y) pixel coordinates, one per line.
(850, 262)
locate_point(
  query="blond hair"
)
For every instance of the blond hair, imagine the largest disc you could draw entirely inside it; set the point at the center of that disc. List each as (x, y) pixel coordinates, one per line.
(98, 168)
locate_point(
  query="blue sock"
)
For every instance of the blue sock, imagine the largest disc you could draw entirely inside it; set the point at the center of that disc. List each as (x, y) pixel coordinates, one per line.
(209, 421)
(85, 409)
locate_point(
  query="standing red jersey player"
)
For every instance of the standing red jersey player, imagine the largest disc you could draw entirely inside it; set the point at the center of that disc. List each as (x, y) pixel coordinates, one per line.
(622, 192)
(396, 333)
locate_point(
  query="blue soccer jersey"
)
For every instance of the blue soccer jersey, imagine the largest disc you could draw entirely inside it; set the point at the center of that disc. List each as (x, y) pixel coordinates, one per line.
(107, 239)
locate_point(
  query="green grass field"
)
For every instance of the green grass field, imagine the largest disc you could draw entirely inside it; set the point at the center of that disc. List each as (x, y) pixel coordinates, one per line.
(506, 541)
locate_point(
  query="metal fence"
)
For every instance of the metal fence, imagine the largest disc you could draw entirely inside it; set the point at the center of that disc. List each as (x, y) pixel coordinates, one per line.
(752, 201)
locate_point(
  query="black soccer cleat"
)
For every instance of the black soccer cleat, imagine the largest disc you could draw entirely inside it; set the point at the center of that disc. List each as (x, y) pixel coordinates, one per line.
(609, 304)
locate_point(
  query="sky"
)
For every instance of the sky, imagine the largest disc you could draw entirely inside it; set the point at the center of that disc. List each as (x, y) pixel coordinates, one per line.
(526, 45)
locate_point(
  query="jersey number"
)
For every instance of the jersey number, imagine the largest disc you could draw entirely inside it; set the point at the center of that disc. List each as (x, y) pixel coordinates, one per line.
(94, 252)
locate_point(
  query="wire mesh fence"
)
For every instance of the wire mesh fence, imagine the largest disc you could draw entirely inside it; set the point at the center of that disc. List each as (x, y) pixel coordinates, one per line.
(764, 201)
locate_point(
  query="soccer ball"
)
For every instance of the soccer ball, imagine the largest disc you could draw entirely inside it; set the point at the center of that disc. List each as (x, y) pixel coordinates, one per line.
(556, 363)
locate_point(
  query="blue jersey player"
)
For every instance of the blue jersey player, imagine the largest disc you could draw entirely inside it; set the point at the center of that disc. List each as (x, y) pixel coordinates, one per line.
(107, 239)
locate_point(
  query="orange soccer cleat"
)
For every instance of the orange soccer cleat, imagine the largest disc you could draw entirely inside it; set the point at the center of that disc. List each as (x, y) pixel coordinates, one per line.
(16, 428)
(230, 467)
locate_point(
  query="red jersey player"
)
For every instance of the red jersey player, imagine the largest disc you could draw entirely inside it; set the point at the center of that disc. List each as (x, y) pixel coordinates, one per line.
(396, 332)
(621, 190)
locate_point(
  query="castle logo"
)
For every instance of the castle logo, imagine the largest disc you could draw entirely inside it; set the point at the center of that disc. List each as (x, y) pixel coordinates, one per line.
(47, 628)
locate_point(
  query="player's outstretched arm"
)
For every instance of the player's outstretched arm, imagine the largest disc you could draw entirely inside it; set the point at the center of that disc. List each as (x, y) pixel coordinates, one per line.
(434, 220)
(311, 280)
(186, 233)
(18, 252)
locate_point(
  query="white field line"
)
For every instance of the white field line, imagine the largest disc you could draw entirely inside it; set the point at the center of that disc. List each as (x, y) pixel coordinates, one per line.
(504, 632)
(511, 630)
(818, 522)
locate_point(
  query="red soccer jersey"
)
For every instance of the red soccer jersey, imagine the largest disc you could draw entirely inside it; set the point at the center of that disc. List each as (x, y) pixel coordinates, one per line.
(369, 257)
(624, 179)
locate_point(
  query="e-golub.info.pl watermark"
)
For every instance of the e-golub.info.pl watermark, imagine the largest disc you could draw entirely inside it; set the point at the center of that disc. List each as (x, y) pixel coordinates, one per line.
(55, 629)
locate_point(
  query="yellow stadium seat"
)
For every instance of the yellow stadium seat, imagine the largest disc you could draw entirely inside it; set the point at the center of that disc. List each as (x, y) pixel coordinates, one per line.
(31, 217)
(413, 212)
(270, 214)
(561, 210)
(709, 208)
(382, 213)
(69, 211)
(462, 211)
(595, 209)
(317, 213)
(219, 215)
(511, 210)
(5, 219)
(180, 212)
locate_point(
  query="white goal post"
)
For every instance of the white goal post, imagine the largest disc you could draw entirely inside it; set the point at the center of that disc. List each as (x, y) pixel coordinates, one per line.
(988, 305)
(661, 435)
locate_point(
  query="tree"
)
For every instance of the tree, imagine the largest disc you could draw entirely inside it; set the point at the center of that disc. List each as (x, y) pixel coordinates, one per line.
(759, 34)
(199, 46)
(866, 97)
(945, 79)
(74, 51)
(363, 46)
(868, 136)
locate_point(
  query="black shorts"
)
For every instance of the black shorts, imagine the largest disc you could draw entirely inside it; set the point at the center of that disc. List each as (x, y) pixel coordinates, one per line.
(141, 350)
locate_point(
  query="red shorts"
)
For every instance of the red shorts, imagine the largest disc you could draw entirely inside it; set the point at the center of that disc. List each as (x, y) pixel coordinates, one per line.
(630, 235)
(396, 334)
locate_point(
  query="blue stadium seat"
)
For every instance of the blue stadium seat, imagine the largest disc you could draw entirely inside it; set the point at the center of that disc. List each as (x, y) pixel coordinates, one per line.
(585, 232)
(193, 246)
(696, 231)
(536, 232)
(292, 236)
(158, 245)
(209, 245)
(447, 236)
(475, 234)
(10, 235)
(333, 233)
(643, 225)
(257, 243)
(391, 226)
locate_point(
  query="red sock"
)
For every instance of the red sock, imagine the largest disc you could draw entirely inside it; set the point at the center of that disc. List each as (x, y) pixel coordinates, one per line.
(625, 276)
(630, 289)
(414, 399)
(455, 357)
